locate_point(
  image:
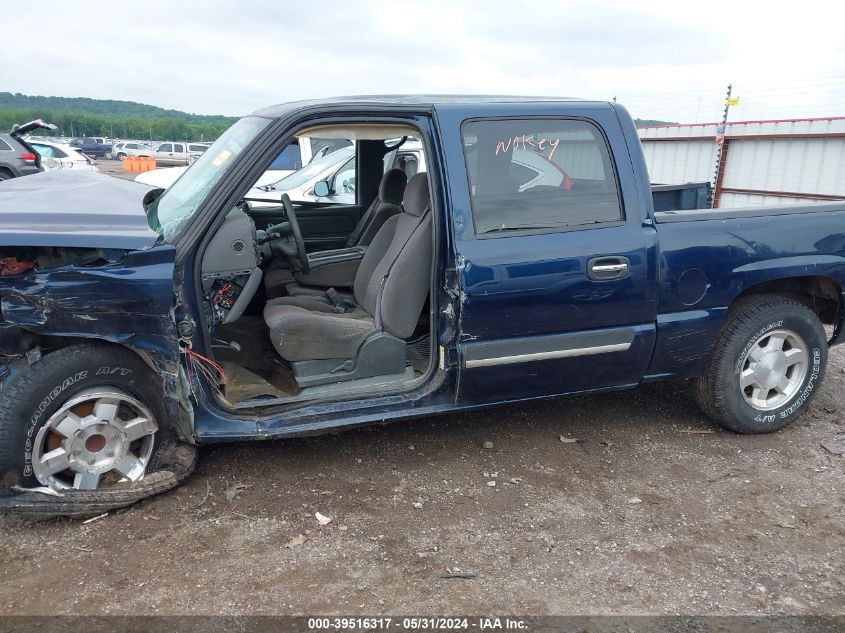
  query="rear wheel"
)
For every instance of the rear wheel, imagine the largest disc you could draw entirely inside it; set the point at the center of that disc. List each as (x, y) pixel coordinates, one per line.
(767, 365)
(5, 175)
(87, 417)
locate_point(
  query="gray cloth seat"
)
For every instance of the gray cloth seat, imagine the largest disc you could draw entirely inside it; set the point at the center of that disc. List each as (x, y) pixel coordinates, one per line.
(390, 290)
(387, 203)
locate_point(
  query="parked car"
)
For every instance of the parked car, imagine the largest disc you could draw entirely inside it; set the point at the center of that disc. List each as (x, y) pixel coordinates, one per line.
(17, 156)
(62, 156)
(136, 322)
(289, 160)
(331, 178)
(122, 149)
(178, 153)
(90, 147)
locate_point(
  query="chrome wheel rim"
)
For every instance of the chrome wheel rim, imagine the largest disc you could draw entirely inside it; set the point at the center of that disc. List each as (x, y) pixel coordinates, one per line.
(95, 438)
(773, 370)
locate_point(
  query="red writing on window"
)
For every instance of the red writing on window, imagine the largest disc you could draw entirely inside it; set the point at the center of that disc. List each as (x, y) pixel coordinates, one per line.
(528, 141)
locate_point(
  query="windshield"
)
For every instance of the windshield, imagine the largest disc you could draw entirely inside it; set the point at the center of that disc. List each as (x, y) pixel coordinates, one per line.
(313, 169)
(168, 214)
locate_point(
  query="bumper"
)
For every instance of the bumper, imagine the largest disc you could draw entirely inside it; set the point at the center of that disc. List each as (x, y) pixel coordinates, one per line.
(26, 170)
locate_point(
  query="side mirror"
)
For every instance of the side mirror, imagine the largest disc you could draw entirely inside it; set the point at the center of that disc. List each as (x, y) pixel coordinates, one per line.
(321, 189)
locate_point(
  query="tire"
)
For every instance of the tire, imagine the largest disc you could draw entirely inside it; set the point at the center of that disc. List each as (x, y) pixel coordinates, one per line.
(39, 402)
(767, 365)
(121, 156)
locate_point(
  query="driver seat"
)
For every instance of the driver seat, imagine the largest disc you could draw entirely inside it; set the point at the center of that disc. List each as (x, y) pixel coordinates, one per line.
(387, 203)
(327, 343)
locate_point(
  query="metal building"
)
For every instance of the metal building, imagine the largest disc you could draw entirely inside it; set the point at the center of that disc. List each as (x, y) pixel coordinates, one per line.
(762, 162)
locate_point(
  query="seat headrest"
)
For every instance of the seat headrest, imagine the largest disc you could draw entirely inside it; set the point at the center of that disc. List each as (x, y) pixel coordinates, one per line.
(392, 186)
(416, 199)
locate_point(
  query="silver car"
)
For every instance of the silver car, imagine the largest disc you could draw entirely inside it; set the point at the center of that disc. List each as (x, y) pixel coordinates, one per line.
(123, 149)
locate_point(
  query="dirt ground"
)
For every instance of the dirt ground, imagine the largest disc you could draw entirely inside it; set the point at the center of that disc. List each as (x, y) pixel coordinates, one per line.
(653, 510)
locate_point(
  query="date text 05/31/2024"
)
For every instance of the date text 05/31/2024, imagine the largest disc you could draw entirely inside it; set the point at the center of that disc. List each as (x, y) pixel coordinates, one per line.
(486, 623)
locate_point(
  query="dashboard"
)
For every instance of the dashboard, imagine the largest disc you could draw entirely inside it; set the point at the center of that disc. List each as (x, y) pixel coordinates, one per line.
(231, 268)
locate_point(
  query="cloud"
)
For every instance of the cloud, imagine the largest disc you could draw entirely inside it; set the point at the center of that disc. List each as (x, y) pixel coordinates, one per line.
(667, 59)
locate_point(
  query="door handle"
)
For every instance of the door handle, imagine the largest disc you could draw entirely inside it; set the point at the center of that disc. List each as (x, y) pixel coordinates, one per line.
(608, 268)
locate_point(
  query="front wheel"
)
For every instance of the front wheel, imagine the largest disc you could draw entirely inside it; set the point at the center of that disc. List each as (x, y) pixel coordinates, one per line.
(84, 418)
(768, 363)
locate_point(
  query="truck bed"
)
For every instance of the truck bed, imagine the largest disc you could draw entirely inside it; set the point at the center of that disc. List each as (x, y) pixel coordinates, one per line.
(696, 215)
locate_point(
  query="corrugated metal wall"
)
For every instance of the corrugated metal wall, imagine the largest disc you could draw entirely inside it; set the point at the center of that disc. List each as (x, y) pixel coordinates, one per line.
(764, 162)
(674, 163)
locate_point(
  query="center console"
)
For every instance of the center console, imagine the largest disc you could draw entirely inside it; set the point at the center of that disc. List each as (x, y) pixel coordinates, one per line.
(333, 269)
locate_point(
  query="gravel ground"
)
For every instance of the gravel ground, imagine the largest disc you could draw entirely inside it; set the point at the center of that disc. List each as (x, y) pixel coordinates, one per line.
(652, 510)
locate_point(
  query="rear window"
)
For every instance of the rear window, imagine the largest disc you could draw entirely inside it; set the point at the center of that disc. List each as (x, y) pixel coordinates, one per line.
(197, 148)
(4, 146)
(539, 175)
(47, 151)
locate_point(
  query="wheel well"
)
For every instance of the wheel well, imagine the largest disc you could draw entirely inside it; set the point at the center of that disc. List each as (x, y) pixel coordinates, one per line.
(5, 170)
(48, 344)
(821, 294)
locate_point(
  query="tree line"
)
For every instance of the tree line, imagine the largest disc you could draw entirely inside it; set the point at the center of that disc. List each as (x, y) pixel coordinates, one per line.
(113, 119)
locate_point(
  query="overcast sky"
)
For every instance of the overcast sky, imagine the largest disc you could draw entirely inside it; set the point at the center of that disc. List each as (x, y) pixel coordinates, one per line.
(668, 60)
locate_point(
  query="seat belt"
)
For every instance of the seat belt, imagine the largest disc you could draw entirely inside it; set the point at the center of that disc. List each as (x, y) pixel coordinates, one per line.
(353, 238)
(377, 315)
(339, 304)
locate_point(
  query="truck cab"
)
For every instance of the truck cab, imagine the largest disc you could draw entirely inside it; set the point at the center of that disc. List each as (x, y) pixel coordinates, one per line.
(526, 260)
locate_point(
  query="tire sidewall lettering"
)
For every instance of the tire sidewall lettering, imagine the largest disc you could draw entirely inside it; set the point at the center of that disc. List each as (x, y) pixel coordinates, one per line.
(808, 387)
(754, 339)
(38, 416)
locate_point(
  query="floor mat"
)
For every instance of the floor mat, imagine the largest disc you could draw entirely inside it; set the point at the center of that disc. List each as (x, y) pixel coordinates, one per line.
(243, 385)
(245, 343)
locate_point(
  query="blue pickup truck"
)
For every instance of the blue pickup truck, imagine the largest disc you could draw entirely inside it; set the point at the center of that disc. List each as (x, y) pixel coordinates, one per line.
(91, 147)
(526, 261)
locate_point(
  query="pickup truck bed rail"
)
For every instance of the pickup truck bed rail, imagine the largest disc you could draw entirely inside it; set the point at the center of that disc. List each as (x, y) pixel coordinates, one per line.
(663, 217)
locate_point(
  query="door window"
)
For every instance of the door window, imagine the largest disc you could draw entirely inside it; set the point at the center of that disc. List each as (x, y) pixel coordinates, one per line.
(165, 147)
(537, 175)
(178, 148)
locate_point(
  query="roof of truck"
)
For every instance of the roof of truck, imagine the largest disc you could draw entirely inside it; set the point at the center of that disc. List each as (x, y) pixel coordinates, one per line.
(405, 100)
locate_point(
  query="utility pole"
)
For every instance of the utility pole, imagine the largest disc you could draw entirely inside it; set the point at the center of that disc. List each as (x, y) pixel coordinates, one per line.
(721, 149)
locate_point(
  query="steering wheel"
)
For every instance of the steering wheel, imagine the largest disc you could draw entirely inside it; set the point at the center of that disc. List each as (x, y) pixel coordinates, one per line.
(297, 234)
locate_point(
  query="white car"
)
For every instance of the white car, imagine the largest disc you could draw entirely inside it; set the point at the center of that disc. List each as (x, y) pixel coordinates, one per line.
(300, 184)
(123, 149)
(331, 178)
(290, 160)
(62, 156)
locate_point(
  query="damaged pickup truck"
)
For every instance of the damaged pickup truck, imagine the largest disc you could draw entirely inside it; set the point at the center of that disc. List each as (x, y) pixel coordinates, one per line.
(521, 259)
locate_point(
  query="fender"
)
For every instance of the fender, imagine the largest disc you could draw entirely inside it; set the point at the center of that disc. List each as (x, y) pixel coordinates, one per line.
(126, 301)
